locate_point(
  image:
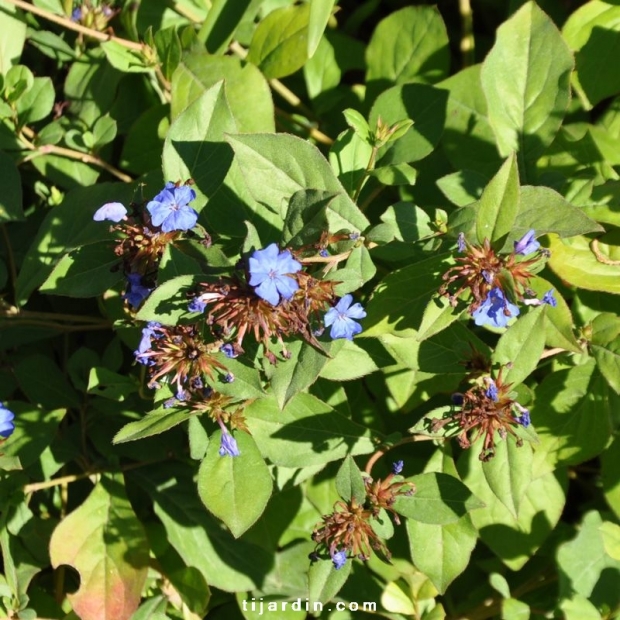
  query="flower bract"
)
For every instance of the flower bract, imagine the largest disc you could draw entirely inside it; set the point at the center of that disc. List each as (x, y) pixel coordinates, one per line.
(341, 318)
(170, 210)
(268, 274)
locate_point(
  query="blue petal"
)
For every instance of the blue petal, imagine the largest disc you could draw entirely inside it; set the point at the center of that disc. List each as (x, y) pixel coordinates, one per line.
(286, 286)
(343, 305)
(285, 263)
(268, 291)
(184, 195)
(183, 219)
(356, 311)
(330, 316)
(111, 211)
(159, 211)
(228, 445)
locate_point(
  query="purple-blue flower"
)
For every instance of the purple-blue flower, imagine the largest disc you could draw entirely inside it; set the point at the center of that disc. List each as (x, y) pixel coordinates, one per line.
(527, 244)
(76, 14)
(460, 240)
(495, 310)
(6, 421)
(196, 305)
(110, 211)
(491, 391)
(136, 292)
(229, 350)
(229, 378)
(268, 274)
(397, 467)
(339, 558)
(228, 445)
(341, 316)
(524, 420)
(148, 333)
(549, 299)
(170, 210)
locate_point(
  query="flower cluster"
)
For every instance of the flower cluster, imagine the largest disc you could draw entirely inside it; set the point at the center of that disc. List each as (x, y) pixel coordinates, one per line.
(486, 408)
(274, 300)
(347, 532)
(93, 16)
(144, 235)
(6, 422)
(496, 282)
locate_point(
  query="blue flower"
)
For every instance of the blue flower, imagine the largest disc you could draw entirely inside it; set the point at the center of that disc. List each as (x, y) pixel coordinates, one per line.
(339, 558)
(229, 378)
(524, 419)
(136, 292)
(341, 316)
(229, 350)
(488, 276)
(111, 211)
(228, 445)
(397, 467)
(180, 396)
(460, 240)
(196, 305)
(324, 253)
(527, 244)
(76, 14)
(148, 333)
(170, 210)
(549, 299)
(495, 310)
(268, 269)
(491, 391)
(6, 421)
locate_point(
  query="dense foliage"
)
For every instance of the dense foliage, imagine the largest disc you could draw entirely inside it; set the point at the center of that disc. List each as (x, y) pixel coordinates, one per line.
(309, 303)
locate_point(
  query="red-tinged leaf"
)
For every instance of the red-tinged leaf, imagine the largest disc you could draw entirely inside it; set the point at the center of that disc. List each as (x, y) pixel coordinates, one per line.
(104, 541)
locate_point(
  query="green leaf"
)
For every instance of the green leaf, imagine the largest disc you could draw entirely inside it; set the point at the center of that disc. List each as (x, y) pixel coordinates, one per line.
(306, 432)
(198, 537)
(280, 43)
(408, 45)
(512, 609)
(579, 608)
(591, 32)
(169, 50)
(104, 541)
(352, 360)
(175, 263)
(544, 210)
(438, 315)
(610, 477)
(11, 197)
(195, 147)
(349, 157)
(357, 122)
(408, 222)
(513, 540)
(275, 166)
(521, 346)
(153, 423)
(575, 263)
(468, 140)
(350, 483)
(168, 302)
(525, 78)
(611, 539)
(108, 384)
(235, 488)
(306, 217)
(12, 42)
(320, 12)
(104, 131)
(298, 372)
(462, 188)
(439, 499)
(441, 552)
(425, 106)
(247, 90)
(582, 560)
(608, 361)
(571, 414)
(399, 300)
(499, 203)
(247, 381)
(67, 227)
(37, 102)
(509, 474)
(325, 581)
(86, 272)
(222, 20)
(124, 59)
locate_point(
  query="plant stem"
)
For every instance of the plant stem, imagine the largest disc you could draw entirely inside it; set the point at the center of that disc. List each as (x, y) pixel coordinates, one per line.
(467, 33)
(10, 260)
(369, 167)
(71, 25)
(28, 135)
